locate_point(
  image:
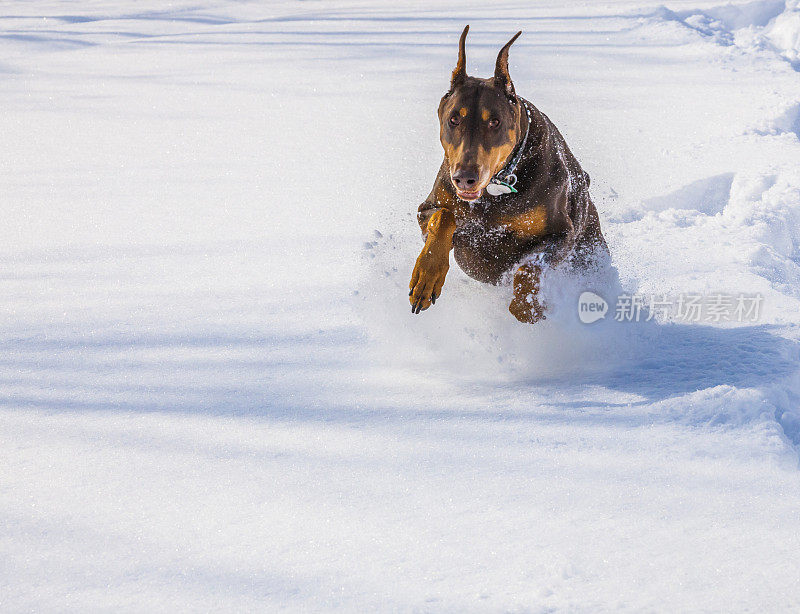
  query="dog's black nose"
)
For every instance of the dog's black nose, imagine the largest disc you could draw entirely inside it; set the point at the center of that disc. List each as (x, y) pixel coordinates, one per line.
(465, 179)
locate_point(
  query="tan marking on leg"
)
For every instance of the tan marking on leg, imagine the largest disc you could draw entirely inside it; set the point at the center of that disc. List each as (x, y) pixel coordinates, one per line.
(433, 262)
(525, 305)
(444, 198)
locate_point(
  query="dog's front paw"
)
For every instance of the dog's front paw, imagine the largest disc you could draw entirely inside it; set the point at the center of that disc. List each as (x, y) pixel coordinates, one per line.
(526, 306)
(427, 279)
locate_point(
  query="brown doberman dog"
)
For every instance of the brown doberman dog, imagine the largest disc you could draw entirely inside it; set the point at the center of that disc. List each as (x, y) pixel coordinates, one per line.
(509, 196)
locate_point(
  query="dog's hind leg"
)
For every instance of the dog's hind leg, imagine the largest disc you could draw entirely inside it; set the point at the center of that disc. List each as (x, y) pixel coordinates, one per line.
(526, 306)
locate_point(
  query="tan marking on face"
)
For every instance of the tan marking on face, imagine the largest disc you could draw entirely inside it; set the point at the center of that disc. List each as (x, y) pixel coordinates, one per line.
(490, 161)
(453, 153)
(493, 159)
(485, 114)
(527, 225)
(462, 111)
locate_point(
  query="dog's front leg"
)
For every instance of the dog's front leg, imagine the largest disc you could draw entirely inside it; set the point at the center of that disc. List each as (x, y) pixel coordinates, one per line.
(433, 261)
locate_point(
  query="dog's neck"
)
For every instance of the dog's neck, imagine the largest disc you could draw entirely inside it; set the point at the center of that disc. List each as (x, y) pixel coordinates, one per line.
(507, 175)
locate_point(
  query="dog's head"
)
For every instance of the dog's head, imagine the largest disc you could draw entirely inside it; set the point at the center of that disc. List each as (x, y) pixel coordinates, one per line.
(480, 123)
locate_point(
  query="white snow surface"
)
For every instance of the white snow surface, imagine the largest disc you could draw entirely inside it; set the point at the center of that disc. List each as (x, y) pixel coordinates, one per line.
(214, 395)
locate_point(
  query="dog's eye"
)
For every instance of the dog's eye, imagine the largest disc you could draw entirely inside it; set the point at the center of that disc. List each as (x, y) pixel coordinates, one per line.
(455, 120)
(493, 123)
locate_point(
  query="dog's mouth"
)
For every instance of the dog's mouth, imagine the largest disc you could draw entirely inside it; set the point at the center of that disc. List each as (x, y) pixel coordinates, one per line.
(474, 195)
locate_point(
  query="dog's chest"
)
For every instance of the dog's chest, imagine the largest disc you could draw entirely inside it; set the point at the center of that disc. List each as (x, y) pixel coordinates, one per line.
(493, 218)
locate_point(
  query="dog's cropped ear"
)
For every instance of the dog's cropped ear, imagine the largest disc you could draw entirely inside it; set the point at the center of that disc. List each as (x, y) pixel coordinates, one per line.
(460, 71)
(501, 77)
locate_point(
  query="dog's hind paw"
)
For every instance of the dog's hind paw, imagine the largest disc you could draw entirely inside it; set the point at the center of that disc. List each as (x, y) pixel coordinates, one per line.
(525, 306)
(527, 311)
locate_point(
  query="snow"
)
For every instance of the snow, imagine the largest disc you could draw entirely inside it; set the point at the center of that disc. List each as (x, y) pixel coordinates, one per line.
(215, 397)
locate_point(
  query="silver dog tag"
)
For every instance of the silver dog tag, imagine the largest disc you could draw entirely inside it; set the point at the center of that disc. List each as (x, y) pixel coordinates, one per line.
(496, 189)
